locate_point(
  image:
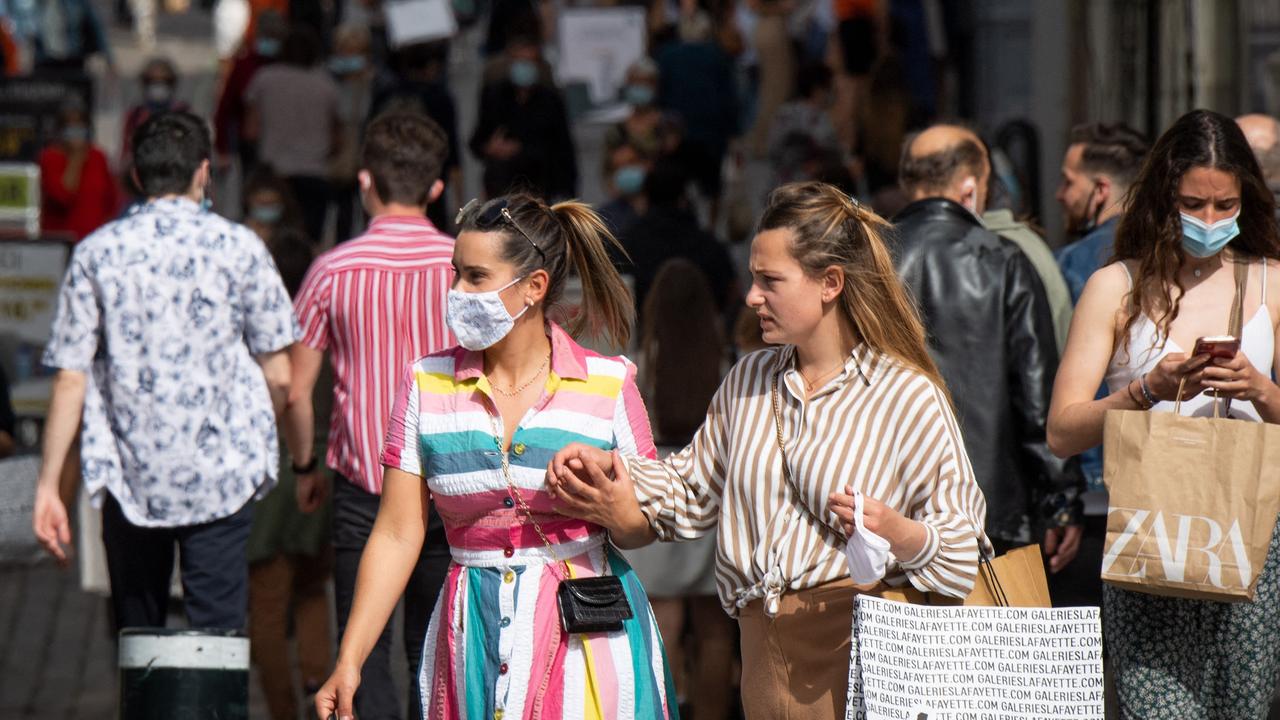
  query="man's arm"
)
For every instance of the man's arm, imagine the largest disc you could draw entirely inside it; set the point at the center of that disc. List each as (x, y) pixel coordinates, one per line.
(299, 417)
(277, 372)
(66, 404)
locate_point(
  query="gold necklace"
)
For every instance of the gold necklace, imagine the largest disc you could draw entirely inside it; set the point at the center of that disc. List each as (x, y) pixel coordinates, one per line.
(527, 383)
(809, 385)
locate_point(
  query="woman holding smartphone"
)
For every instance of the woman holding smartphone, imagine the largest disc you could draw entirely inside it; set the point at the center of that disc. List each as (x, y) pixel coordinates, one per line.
(472, 430)
(848, 402)
(1199, 214)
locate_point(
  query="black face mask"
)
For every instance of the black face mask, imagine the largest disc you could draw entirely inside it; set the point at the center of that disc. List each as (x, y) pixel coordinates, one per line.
(1090, 223)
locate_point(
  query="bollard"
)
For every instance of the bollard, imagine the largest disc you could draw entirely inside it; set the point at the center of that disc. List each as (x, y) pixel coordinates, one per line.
(183, 674)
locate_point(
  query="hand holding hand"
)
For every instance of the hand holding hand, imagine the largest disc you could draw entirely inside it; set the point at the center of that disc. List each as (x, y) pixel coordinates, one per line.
(583, 490)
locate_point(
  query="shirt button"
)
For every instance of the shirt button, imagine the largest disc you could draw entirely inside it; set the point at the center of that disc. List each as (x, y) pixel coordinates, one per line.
(497, 714)
(502, 669)
(508, 502)
(506, 622)
(519, 448)
(508, 551)
(509, 578)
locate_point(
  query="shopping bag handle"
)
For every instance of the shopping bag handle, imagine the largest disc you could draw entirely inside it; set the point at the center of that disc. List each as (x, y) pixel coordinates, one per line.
(1177, 404)
(987, 570)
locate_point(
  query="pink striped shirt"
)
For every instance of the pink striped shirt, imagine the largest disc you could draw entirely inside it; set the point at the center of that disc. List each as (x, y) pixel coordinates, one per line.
(378, 303)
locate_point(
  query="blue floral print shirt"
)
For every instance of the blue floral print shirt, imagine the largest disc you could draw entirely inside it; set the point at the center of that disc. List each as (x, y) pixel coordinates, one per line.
(164, 310)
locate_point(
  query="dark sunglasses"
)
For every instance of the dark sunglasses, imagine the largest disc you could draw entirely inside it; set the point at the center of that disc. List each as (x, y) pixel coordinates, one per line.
(493, 215)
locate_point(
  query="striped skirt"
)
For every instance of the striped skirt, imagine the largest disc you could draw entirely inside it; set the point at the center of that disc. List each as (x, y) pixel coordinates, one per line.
(494, 649)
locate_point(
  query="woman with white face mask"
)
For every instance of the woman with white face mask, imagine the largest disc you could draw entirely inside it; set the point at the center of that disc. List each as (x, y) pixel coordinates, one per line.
(539, 615)
(1198, 213)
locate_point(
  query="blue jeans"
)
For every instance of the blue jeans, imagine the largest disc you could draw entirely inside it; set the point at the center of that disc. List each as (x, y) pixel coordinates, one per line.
(215, 572)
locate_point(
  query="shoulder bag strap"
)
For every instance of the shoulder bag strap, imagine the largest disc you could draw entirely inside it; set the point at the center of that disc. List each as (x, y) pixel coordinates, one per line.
(1235, 323)
(786, 467)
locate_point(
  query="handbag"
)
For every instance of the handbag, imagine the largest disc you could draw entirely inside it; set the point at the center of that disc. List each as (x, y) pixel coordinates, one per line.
(587, 605)
(1193, 500)
(1020, 570)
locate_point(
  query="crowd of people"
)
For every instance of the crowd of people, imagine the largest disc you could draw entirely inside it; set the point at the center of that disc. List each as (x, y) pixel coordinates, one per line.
(887, 338)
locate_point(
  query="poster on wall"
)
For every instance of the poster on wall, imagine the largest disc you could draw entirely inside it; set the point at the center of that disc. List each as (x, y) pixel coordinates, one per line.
(30, 275)
(597, 45)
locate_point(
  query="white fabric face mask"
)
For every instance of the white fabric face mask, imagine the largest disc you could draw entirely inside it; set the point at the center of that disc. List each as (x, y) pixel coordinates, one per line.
(866, 552)
(480, 319)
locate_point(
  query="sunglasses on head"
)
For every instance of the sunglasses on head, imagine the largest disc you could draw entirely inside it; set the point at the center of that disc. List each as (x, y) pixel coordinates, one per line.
(492, 215)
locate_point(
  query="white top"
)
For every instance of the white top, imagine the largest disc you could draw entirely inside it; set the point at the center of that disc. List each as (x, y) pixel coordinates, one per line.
(1144, 351)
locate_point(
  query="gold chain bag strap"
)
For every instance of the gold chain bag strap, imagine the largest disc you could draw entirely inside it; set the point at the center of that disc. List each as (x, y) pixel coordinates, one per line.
(587, 605)
(786, 468)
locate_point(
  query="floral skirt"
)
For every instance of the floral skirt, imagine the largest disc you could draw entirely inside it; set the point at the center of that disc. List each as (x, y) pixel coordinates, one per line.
(1180, 659)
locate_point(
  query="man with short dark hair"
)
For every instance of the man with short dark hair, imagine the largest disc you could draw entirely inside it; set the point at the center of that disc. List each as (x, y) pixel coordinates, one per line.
(377, 303)
(1100, 164)
(169, 340)
(991, 333)
(1098, 168)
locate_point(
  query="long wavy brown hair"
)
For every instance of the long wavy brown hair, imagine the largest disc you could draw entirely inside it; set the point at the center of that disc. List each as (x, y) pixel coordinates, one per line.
(1150, 231)
(683, 349)
(832, 229)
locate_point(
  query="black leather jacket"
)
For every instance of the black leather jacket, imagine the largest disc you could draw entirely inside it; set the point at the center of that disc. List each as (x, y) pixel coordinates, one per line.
(991, 333)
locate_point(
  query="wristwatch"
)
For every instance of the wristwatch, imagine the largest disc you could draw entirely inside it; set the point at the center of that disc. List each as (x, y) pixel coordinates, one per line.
(310, 467)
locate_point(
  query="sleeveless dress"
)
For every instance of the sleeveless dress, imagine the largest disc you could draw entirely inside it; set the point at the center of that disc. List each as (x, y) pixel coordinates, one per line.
(494, 649)
(1175, 658)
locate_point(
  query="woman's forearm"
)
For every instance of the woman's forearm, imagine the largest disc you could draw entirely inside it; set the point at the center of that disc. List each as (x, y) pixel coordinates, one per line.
(908, 539)
(385, 567)
(632, 529)
(1268, 405)
(1079, 427)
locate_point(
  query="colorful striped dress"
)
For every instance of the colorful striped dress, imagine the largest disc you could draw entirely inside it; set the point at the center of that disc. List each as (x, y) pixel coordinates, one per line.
(494, 649)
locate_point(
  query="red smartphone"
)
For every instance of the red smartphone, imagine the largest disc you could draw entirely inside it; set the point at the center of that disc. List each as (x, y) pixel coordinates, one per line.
(1218, 346)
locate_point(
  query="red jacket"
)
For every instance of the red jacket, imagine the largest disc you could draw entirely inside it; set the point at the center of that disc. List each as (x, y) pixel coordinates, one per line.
(87, 207)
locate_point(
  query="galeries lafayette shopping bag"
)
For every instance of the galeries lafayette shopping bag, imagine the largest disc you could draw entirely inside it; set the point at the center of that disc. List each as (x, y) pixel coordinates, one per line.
(994, 663)
(1193, 503)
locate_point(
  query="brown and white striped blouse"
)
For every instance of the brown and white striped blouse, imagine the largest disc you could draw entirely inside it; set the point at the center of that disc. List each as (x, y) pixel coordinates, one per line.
(879, 426)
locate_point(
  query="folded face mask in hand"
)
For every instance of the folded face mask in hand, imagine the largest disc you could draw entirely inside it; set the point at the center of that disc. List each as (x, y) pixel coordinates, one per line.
(866, 552)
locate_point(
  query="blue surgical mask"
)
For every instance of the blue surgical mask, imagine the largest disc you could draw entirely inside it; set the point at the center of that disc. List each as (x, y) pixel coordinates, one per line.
(267, 214)
(267, 47)
(524, 73)
(75, 133)
(629, 179)
(638, 94)
(346, 64)
(158, 93)
(1202, 240)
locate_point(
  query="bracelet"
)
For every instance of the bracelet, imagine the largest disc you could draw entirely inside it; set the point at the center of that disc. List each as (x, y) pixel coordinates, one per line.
(306, 469)
(1146, 392)
(1134, 397)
